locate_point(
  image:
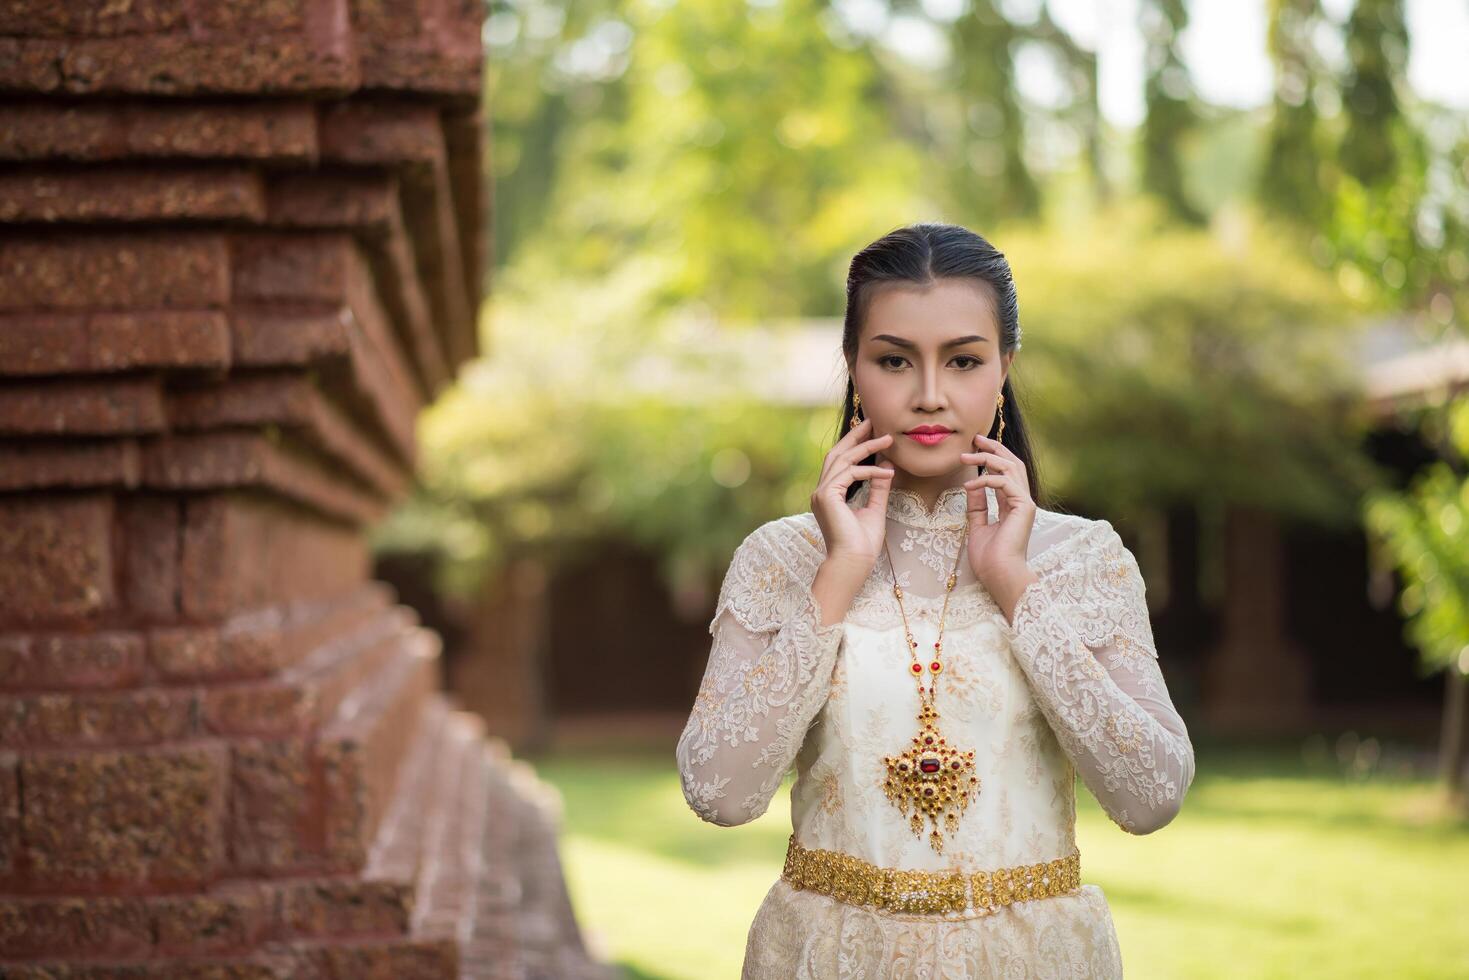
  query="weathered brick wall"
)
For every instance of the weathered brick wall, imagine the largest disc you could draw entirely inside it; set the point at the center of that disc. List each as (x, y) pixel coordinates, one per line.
(240, 248)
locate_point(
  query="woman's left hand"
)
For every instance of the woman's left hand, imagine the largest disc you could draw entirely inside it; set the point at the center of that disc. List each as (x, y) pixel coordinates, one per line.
(997, 551)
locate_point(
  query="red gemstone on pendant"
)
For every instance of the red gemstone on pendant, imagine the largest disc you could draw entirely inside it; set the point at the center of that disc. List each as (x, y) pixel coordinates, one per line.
(928, 764)
(917, 668)
(928, 740)
(934, 666)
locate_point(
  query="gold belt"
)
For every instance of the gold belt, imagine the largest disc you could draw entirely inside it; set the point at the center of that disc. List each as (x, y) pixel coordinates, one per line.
(854, 881)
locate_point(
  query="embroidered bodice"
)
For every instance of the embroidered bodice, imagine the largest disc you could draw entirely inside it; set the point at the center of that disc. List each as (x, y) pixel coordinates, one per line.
(1071, 686)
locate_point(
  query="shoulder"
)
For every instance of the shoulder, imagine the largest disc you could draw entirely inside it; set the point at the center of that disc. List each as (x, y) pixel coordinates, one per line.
(1083, 549)
(1094, 571)
(792, 544)
(769, 572)
(1056, 534)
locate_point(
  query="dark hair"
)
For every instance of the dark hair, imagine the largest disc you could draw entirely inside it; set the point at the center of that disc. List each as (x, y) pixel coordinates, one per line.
(922, 254)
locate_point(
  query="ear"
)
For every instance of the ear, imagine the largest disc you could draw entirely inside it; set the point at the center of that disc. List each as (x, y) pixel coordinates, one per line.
(1005, 361)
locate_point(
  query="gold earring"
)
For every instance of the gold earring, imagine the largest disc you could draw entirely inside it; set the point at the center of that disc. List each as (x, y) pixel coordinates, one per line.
(1000, 410)
(856, 407)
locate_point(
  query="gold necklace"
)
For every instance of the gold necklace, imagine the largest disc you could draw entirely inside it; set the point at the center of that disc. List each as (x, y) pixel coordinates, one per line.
(931, 776)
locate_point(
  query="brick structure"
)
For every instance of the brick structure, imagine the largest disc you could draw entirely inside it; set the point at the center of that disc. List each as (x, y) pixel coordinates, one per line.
(240, 248)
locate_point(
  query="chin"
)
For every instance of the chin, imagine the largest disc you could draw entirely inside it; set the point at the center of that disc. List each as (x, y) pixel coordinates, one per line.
(932, 464)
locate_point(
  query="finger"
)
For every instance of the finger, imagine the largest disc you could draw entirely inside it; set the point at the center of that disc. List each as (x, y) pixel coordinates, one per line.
(846, 475)
(858, 450)
(878, 487)
(978, 503)
(836, 451)
(854, 433)
(1011, 488)
(995, 446)
(868, 446)
(993, 462)
(1001, 483)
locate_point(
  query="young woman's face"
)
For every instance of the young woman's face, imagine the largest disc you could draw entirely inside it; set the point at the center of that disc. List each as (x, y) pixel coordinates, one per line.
(930, 356)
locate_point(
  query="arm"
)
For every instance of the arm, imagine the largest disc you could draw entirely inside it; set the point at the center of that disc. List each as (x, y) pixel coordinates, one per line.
(769, 673)
(1082, 635)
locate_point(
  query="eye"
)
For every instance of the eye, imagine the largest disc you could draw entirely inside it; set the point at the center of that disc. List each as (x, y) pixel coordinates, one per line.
(903, 360)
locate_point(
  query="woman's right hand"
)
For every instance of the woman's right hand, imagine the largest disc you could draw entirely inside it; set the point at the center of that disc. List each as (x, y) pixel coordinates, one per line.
(853, 536)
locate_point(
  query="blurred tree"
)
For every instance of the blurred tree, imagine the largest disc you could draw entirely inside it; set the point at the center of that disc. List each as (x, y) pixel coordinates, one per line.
(990, 179)
(1219, 370)
(1223, 368)
(753, 152)
(1171, 114)
(1400, 219)
(1293, 182)
(718, 161)
(1377, 46)
(550, 68)
(1421, 532)
(579, 429)
(1398, 227)
(1085, 110)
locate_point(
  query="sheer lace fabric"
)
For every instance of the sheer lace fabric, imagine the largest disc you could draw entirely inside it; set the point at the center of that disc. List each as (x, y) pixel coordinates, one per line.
(1071, 687)
(769, 672)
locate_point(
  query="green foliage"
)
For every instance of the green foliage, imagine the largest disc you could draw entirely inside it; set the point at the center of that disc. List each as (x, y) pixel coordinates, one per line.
(1290, 182)
(1381, 177)
(1219, 364)
(663, 164)
(1407, 240)
(1377, 47)
(1422, 533)
(992, 139)
(1172, 115)
(1208, 364)
(577, 429)
(541, 99)
(753, 152)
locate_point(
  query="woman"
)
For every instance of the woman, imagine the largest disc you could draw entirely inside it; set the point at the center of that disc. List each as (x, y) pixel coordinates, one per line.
(938, 657)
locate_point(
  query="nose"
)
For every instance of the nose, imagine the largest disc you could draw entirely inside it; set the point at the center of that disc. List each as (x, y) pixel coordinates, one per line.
(930, 399)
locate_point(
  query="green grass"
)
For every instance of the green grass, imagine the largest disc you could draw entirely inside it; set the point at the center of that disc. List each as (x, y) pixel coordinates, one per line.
(1275, 868)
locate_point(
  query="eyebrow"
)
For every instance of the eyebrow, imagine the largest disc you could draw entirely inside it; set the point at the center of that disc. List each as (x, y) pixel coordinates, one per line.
(956, 342)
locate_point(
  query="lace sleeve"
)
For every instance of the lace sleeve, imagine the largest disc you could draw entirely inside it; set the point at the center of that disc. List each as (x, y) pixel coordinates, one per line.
(1083, 638)
(769, 673)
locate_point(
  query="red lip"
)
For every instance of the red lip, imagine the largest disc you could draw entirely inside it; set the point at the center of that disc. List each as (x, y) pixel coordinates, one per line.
(923, 430)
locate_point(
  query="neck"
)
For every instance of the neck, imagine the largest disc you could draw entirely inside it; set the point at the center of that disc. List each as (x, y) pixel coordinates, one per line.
(930, 487)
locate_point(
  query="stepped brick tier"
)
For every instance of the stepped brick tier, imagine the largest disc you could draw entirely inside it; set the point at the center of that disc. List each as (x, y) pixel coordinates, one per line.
(240, 248)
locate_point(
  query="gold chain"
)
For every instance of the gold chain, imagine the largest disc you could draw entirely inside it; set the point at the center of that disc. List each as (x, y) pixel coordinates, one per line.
(931, 776)
(936, 666)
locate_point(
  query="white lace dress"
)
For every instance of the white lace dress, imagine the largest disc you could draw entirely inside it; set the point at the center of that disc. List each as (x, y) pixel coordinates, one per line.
(1071, 687)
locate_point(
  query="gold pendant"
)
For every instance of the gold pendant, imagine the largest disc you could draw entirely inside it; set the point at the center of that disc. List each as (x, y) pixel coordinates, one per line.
(932, 777)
